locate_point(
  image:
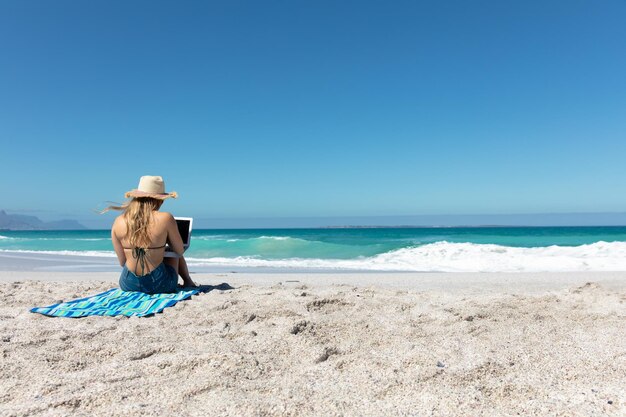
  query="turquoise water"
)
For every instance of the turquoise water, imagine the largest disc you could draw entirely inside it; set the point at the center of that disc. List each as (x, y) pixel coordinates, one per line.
(321, 243)
(368, 248)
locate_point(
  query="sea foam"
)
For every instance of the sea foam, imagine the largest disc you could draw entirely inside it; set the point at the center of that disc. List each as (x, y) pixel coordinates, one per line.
(456, 257)
(88, 253)
(434, 257)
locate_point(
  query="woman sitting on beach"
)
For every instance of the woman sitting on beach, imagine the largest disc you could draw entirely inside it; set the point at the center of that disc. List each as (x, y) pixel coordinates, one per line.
(139, 237)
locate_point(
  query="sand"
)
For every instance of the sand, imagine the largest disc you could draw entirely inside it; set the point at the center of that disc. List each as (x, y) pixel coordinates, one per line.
(323, 344)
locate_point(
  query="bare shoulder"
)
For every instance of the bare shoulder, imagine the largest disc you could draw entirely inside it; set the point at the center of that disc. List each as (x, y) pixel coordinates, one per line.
(119, 226)
(164, 216)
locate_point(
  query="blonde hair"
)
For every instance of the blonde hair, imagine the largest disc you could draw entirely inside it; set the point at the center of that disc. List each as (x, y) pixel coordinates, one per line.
(138, 215)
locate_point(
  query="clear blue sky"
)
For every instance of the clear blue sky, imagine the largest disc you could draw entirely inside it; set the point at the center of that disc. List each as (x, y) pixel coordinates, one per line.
(313, 109)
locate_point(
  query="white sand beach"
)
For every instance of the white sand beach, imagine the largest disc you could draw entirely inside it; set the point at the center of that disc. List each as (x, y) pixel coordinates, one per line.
(323, 344)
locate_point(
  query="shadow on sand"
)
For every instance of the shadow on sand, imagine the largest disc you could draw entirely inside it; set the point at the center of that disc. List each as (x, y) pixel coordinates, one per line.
(208, 288)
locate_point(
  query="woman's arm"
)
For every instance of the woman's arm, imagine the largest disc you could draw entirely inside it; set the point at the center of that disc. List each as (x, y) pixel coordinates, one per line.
(173, 235)
(117, 245)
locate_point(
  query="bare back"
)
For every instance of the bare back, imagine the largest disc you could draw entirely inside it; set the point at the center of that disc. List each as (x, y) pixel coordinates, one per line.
(161, 231)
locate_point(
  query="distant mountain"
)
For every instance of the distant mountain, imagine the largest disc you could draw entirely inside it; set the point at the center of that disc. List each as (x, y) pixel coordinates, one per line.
(22, 222)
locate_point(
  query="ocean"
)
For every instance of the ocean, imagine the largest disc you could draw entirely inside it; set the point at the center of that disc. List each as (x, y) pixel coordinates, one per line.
(472, 249)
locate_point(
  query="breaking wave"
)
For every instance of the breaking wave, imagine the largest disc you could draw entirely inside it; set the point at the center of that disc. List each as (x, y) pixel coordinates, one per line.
(455, 257)
(440, 256)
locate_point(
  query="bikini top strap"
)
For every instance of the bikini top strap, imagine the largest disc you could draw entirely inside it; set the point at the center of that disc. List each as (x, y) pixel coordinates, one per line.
(140, 254)
(155, 247)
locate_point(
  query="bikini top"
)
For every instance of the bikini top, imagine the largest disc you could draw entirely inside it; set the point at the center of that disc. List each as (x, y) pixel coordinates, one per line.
(156, 247)
(140, 254)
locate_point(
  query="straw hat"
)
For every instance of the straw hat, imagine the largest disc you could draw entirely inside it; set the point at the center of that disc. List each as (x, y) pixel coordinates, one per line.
(151, 186)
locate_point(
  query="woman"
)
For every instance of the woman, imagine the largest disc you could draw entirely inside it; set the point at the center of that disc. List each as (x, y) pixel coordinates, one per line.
(139, 237)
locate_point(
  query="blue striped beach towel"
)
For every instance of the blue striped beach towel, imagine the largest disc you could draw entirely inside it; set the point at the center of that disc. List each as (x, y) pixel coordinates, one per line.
(116, 302)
